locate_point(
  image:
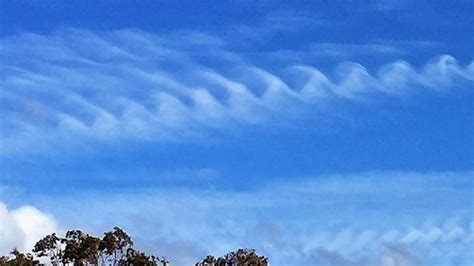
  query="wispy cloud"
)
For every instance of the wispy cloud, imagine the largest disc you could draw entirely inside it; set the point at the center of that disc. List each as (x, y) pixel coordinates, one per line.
(349, 50)
(77, 85)
(280, 22)
(377, 218)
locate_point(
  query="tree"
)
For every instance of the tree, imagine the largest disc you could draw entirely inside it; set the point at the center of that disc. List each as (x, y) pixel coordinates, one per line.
(19, 259)
(114, 245)
(80, 248)
(241, 257)
(115, 248)
(49, 246)
(4, 260)
(135, 257)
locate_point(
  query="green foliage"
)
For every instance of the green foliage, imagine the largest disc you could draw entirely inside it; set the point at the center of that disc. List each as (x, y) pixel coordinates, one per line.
(114, 245)
(49, 246)
(19, 259)
(80, 248)
(241, 257)
(115, 248)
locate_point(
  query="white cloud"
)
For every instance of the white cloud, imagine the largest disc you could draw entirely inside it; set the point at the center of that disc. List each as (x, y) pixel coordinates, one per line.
(379, 218)
(22, 227)
(350, 50)
(77, 86)
(387, 255)
(376, 218)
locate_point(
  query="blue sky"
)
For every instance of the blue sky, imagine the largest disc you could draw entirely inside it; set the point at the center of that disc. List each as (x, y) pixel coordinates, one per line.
(338, 131)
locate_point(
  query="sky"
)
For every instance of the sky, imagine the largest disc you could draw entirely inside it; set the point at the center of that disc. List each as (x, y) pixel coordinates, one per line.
(317, 132)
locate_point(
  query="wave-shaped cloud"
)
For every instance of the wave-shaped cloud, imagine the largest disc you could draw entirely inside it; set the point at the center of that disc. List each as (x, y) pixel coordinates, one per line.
(80, 85)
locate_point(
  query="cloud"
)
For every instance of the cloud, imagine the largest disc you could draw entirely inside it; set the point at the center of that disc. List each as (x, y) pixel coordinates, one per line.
(343, 50)
(378, 218)
(76, 86)
(280, 22)
(22, 227)
(388, 255)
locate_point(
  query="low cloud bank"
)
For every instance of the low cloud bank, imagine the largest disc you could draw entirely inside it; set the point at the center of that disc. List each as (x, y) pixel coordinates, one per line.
(375, 218)
(21, 227)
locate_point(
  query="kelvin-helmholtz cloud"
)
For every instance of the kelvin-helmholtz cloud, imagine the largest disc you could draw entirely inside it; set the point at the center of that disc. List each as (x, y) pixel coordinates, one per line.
(75, 85)
(74, 88)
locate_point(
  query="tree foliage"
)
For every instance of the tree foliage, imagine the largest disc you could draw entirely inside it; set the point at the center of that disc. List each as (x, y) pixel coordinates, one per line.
(114, 245)
(115, 248)
(81, 249)
(18, 259)
(50, 247)
(241, 257)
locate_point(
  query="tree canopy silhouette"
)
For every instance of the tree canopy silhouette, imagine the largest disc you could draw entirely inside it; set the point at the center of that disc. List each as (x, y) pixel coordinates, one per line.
(18, 259)
(79, 248)
(241, 257)
(115, 248)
